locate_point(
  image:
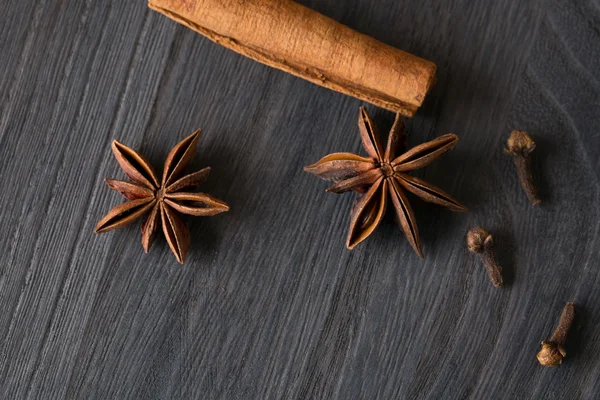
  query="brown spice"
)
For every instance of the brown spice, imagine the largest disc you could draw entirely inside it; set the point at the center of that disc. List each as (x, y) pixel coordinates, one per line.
(288, 36)
(165, 200)
(479, 241)
(553, 349)
(520, 146)
(382, 175)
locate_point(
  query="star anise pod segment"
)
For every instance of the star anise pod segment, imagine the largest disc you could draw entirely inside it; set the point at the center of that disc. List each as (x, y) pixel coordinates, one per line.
(385, 173)
(165, 201)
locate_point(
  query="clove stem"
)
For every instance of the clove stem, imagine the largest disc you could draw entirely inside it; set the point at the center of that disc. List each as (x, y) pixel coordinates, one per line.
(562, 329)
(523, 164)
(494, 270)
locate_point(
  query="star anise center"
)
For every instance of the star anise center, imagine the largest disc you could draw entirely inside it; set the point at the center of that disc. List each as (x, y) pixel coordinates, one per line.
(160, 193)
(387, 169)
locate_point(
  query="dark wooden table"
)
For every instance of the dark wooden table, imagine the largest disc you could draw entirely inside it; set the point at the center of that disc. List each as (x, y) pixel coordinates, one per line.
(270, 304)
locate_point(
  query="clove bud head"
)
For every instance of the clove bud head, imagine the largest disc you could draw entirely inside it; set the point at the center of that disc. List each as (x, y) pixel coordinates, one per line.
(519, 144)
(478, 239)
(551, 354)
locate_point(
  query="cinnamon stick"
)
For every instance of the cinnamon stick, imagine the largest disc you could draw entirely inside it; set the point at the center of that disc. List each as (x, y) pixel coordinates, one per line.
(288, 36)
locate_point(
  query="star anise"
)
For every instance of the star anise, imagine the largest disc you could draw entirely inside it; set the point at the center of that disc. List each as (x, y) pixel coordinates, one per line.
(383, 173)
(165, 200)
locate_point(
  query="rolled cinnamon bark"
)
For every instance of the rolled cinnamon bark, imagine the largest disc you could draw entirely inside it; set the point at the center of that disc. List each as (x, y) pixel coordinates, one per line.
(288, 36)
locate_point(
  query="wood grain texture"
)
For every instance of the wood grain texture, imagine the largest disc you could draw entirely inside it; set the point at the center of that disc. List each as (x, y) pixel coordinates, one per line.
(270, 304)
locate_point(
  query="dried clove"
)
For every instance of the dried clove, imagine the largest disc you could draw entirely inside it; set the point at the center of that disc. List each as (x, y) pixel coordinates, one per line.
(480, 241)
(520, 146)
(553, 349)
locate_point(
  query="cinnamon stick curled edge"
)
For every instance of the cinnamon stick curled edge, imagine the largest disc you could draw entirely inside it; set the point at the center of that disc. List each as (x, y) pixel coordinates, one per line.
(288, 36)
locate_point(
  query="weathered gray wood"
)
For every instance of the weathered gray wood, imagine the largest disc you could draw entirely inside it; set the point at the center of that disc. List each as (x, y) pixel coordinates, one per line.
(270, 304)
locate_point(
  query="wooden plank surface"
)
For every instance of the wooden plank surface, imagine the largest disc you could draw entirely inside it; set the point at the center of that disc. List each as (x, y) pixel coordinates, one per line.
(270, 304)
